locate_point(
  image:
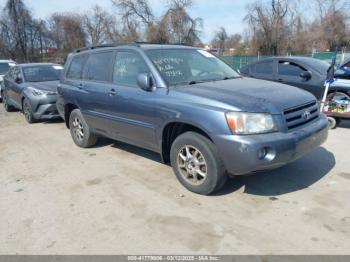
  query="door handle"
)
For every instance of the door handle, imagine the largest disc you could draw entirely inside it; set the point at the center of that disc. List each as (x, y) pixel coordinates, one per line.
(280, 80)
(111, 92)
(80, 86)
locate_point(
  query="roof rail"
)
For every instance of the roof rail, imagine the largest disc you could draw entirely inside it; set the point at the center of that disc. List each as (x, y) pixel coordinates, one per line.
(137, 43)
(155, 43)
(101, 46)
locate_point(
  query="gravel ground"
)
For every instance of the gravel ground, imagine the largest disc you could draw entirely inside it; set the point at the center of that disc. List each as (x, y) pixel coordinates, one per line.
(56, 198)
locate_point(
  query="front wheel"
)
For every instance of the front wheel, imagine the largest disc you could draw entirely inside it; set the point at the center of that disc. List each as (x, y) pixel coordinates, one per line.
(80, 131)
(196, 163)
(28, 112)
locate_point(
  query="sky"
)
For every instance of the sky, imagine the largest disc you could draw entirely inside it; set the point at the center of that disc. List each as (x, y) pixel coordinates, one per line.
(215, 13)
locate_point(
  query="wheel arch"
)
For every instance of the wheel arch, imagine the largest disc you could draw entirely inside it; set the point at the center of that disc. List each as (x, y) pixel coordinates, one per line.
(172, 130)
(68, 108)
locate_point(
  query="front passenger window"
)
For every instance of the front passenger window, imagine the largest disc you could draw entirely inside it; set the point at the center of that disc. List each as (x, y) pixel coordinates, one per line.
(128, 65)
(289, 69)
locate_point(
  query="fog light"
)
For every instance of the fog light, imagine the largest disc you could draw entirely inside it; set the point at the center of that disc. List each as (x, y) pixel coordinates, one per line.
(266, 153)
(262, 153)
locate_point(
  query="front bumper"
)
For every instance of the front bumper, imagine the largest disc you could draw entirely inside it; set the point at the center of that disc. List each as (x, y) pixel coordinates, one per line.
(244, 154)
(46, 112)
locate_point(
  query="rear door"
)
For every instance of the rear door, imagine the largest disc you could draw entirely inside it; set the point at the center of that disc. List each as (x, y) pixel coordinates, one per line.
(15, 88)
(289, 73)
(263, 70)
(96, 91)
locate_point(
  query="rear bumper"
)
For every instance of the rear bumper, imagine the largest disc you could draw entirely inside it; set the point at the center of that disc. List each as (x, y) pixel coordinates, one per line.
(251, 153)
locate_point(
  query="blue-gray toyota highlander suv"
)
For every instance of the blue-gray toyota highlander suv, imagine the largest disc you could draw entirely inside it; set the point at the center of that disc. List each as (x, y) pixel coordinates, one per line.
(198, 113)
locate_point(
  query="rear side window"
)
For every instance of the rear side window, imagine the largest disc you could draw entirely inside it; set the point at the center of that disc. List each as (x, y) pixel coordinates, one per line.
(264, 68)
(97, 66)
(76, 67)
(127, 67)
(289, 69)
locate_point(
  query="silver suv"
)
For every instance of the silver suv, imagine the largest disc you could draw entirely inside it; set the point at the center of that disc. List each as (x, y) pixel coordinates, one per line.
(5, 65)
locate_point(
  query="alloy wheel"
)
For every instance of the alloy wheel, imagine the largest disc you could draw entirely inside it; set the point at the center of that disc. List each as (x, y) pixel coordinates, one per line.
(27, 111)
(78, 129)
(192, 165)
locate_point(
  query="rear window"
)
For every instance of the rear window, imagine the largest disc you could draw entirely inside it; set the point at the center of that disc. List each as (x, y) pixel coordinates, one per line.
(264, 68)
(97, 67)
(76, 67)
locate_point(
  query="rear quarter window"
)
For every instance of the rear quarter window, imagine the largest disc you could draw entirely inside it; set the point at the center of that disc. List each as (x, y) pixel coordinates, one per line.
(76, 66)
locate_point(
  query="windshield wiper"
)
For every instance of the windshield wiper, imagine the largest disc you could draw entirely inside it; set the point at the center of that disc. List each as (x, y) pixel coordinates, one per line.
(230, 77)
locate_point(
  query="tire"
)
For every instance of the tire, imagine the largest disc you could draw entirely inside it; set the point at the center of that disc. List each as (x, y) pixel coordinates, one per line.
(80, 131)
(7, 107)
(28, 112)
(186, 168)
(332, 122)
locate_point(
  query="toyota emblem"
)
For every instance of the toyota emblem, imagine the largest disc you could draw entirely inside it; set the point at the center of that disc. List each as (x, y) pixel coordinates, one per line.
(307, 115)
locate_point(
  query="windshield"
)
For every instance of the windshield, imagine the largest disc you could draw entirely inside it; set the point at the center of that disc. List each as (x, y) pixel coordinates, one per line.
(42, 73)
(4, 67)
(189, 66)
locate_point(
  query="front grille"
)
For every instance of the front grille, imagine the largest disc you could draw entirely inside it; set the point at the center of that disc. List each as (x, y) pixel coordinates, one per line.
(301, 115)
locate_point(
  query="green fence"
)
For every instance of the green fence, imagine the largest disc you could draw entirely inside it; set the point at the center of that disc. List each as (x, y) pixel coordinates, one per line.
(237, 62)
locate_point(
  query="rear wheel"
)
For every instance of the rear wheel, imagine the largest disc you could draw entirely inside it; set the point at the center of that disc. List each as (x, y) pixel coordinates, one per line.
(28, 112)
(7, 107)
(80, 131)
(196, 163)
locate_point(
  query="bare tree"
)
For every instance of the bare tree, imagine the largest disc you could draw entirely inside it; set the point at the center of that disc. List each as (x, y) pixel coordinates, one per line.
(67, 31)
(96, 24)
(181, 26)
(22, 37)
(268, 24)
(220, 39)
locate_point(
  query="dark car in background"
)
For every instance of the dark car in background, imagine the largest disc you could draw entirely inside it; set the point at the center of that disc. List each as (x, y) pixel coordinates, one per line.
(303, 72)
(343, 71)
(5, 66)
(190, 107)
(32, 89)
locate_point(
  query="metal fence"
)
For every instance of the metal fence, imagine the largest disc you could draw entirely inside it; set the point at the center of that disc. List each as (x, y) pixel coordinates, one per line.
(237, 62)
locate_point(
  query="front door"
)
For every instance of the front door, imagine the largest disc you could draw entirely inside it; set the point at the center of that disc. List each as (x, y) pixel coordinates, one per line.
(289, 73)
(133, 108)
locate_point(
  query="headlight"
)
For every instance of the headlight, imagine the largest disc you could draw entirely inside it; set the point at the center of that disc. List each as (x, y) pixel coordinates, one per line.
(250, 123)
(37, 92)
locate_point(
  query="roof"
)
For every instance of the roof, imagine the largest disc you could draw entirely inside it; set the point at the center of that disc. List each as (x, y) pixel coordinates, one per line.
(7, 61)
(36, 64)
(142, 45)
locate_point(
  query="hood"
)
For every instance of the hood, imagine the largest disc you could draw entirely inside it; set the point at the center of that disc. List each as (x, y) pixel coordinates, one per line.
(251, 95)
(50, 86)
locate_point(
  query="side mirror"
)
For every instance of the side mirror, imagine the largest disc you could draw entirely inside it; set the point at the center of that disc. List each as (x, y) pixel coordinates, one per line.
(145, 82)
(305, 75)
(18, 80)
